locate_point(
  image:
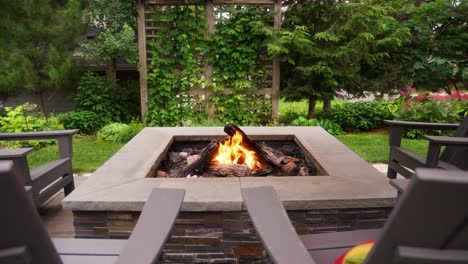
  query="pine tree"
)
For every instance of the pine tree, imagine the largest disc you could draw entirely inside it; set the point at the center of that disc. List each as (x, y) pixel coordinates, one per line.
(36, 44)
(327, 45)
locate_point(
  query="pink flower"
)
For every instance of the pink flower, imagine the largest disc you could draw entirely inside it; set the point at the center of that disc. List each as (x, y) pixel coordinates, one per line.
(402, 93)
(421, 97)
(436, 97)
(407, 103)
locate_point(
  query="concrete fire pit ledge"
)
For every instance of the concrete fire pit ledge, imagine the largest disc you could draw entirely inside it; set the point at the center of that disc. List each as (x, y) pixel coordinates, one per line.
(124, 182)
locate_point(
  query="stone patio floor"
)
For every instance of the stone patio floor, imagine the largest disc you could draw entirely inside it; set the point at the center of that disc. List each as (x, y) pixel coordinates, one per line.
(59, 221)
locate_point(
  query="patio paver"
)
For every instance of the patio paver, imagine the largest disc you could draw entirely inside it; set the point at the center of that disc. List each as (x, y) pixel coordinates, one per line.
(58, 220)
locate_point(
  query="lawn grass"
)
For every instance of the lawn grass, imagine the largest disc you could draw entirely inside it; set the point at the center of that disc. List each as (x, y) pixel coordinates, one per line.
(88, 153)
(301, 107)
(375, 148)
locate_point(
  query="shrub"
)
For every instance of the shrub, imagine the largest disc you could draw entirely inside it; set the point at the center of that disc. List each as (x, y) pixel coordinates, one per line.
(302, 121)
(358, 116)
(127, 100)
(330, 126)
(94, 95)
(86, 121)
(120, 133)
(449, 111)
(27, 117)
(288, 117)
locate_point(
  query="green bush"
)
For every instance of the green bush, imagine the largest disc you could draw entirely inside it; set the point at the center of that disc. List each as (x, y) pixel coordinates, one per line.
(288, 117)
(331, 127)
(94, 95)
(127, 100)
(86, 121)
(358, 116)
(449, 111)
(120, 133)
(302, 121)
(290, 111)
(27, 117)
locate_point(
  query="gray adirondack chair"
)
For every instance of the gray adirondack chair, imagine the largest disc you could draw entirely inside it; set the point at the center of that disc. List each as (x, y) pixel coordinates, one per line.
(404, 162)
(23, 238)
(429, 224)
(50, 178)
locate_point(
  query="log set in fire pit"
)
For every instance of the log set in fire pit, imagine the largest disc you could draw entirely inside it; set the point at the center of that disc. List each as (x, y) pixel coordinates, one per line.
(236, 156)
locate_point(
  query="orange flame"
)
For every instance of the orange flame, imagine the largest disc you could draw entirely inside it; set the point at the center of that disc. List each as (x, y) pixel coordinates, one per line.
(232, 152)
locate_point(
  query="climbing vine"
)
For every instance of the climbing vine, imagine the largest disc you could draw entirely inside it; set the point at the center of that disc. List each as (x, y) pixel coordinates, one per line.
(236, 50)
(238, 55)
(175, 64)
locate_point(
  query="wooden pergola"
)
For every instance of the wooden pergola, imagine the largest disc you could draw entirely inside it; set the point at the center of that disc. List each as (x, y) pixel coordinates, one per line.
(146, 29)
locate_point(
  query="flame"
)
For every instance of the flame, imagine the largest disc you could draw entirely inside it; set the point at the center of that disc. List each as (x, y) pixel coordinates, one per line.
(232, 152)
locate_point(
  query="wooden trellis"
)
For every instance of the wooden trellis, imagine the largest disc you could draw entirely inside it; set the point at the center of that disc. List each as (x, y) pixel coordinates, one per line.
(147, 29)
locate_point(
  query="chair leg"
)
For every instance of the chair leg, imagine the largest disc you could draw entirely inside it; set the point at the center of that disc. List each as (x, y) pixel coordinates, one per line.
(69, 187)
(391, 173)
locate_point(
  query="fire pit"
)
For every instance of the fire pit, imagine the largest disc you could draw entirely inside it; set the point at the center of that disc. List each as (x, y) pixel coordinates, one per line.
(346, 193)
(235, 156)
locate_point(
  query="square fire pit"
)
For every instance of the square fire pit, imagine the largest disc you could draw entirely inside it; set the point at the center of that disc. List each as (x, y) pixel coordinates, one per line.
(124, 181)
(348, 193)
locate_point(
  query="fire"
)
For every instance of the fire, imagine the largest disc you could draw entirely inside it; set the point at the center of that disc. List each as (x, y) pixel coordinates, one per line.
(232, 152)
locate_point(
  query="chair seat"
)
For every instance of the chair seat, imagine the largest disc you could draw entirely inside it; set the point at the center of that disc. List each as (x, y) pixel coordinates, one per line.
(327, 256)
(416, 160)
(325, 248)
(80, 259)
(105, 247)
(47, 168)
(339, 239)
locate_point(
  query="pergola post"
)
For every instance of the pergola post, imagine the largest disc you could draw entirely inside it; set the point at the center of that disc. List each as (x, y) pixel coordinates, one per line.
(142, 57)
(209, 9)
(275, 96)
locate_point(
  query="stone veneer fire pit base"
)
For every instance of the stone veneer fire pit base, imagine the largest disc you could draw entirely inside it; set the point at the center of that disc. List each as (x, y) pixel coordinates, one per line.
(213, 226)
(224, 237)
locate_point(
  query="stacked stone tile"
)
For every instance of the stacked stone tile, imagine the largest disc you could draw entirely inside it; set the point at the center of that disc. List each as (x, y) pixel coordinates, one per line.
(224, 237)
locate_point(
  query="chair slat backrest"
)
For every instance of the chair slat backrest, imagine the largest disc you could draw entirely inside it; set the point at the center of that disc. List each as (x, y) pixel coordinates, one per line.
(458, 156)
(431, 214)
(20, 224)
(156, 221)
(272, 223)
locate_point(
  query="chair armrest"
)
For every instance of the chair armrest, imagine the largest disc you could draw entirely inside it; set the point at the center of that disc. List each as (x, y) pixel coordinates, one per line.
(420, 125)
(448, 141)
(153, 226)
(399, 184)
(435, 144)
(18, 254)
(425, 255)
(396, 128)
(64, 138)
(53, 134)
(14, 153)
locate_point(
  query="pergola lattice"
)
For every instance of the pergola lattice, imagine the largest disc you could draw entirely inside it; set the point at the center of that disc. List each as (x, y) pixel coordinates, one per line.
(147, 29)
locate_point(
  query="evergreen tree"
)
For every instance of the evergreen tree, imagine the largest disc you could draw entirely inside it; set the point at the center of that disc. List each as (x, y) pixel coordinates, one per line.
(437, 56)
(36, 44)
(327, 45)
